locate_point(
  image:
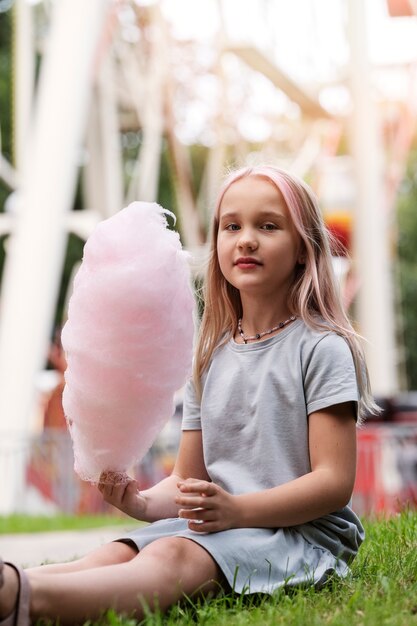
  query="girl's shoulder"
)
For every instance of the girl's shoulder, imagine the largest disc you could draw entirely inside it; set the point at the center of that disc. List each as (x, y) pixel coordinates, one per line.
(323, 344)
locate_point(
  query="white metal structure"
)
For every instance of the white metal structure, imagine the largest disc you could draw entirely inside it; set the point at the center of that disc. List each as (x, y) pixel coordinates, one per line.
(36, 249)
(372, 217)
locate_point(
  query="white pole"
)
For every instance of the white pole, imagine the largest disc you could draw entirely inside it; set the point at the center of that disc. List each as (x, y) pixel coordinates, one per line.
(103, 171)
(145, 186)
(93, 171)
(23, 79)
(375, 304)
(110, 138)
(35, 256)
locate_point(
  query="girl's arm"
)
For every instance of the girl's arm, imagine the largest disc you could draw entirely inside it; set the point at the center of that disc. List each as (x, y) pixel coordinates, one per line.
(158, 502)
(327, 488)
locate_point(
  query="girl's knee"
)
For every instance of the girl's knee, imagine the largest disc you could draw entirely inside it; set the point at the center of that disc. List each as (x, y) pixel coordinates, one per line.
(168, 550)
(182, 558)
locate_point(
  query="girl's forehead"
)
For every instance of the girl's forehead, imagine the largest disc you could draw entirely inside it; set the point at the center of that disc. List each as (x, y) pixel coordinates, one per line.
(252, 191)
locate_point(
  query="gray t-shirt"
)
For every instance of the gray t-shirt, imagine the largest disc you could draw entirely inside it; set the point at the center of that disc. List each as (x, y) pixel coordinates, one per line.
(256, 400)
(254, 416)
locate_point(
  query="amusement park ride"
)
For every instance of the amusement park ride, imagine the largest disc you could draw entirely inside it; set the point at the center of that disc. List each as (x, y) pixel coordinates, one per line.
(108, 68)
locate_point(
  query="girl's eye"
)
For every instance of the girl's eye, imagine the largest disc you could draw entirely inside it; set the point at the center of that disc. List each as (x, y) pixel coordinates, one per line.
(269, 226)
(232, 227)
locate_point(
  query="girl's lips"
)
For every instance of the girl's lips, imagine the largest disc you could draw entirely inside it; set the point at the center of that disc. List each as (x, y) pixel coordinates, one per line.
(247, 263)
(247, 266)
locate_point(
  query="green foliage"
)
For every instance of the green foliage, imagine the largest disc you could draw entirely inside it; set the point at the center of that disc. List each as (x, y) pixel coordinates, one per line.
(73, 256)
(407, 264)
(199, 156)
(5, 87)
(166, 191)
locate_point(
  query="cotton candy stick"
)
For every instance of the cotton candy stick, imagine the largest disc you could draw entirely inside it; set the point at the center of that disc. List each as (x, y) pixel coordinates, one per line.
(128, 340)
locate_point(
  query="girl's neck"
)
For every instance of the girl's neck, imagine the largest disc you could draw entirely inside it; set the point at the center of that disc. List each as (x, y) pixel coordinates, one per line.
(258, 317)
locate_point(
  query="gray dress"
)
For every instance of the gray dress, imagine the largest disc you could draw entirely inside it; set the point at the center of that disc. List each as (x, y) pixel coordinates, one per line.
(254, 420)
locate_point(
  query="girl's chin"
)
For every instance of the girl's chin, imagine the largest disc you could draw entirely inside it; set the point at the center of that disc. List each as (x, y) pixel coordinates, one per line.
(259, 289)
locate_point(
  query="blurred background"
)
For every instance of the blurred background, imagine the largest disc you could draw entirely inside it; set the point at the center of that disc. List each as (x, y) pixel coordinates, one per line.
(108, 101)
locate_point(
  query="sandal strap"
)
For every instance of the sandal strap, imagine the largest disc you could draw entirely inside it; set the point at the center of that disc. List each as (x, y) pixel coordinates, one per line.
(20, 616)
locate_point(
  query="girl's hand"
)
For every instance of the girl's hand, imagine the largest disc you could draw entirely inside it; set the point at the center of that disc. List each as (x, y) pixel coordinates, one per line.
(124, 496)
(208, 507)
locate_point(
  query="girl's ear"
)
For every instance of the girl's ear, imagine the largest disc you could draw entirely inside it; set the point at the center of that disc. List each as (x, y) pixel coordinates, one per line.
(301, 260)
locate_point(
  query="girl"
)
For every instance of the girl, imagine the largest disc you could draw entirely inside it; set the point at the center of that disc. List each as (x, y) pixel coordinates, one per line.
(259, 495)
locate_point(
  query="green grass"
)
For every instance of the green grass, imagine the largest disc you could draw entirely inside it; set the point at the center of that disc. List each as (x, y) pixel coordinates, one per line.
(32, 524)
(382, 591)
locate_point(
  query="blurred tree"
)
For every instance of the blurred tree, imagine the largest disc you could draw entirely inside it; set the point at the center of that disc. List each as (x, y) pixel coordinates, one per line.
(5, 89)
(166, 192)
(73, 256)
(407, 264)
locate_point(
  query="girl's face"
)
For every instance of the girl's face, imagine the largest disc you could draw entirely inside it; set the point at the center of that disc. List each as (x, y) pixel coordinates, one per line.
(258, 246)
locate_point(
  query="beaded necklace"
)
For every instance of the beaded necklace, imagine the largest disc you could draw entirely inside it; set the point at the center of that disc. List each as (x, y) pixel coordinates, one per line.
(265, 332)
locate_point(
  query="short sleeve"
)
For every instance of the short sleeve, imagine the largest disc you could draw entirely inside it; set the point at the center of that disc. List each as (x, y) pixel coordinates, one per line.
(330, 376)
(191, 416)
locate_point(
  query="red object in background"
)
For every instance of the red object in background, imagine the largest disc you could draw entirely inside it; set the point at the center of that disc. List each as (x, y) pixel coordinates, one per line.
(386, 476)
(368, 493)
(400, 8)
(342, 236)
(339, 224)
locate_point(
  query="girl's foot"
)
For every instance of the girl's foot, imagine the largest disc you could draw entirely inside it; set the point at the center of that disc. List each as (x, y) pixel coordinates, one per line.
(14, 596)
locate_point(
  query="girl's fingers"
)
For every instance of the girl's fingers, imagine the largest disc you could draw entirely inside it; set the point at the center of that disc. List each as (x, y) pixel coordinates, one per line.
(114, 492)
(197, 486)
(205, 527)
(105, 489)
(193, 502)
(199, 515)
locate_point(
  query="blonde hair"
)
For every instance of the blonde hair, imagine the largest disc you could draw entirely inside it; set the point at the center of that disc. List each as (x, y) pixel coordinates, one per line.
(313, 297)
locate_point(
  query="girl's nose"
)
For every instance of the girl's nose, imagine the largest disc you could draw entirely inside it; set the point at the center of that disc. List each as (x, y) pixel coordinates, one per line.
(247, 241)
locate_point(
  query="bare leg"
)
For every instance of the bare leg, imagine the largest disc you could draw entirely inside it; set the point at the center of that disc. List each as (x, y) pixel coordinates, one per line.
(108, 554)
(159, 576)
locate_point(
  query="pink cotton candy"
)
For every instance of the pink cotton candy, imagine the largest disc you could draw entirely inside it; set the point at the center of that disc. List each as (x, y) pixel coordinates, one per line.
(128, 339)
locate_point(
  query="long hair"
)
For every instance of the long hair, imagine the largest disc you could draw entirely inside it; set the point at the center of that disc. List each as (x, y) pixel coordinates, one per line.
(313, 296)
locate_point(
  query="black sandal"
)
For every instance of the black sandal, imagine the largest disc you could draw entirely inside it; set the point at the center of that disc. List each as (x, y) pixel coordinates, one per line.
(20, 615)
